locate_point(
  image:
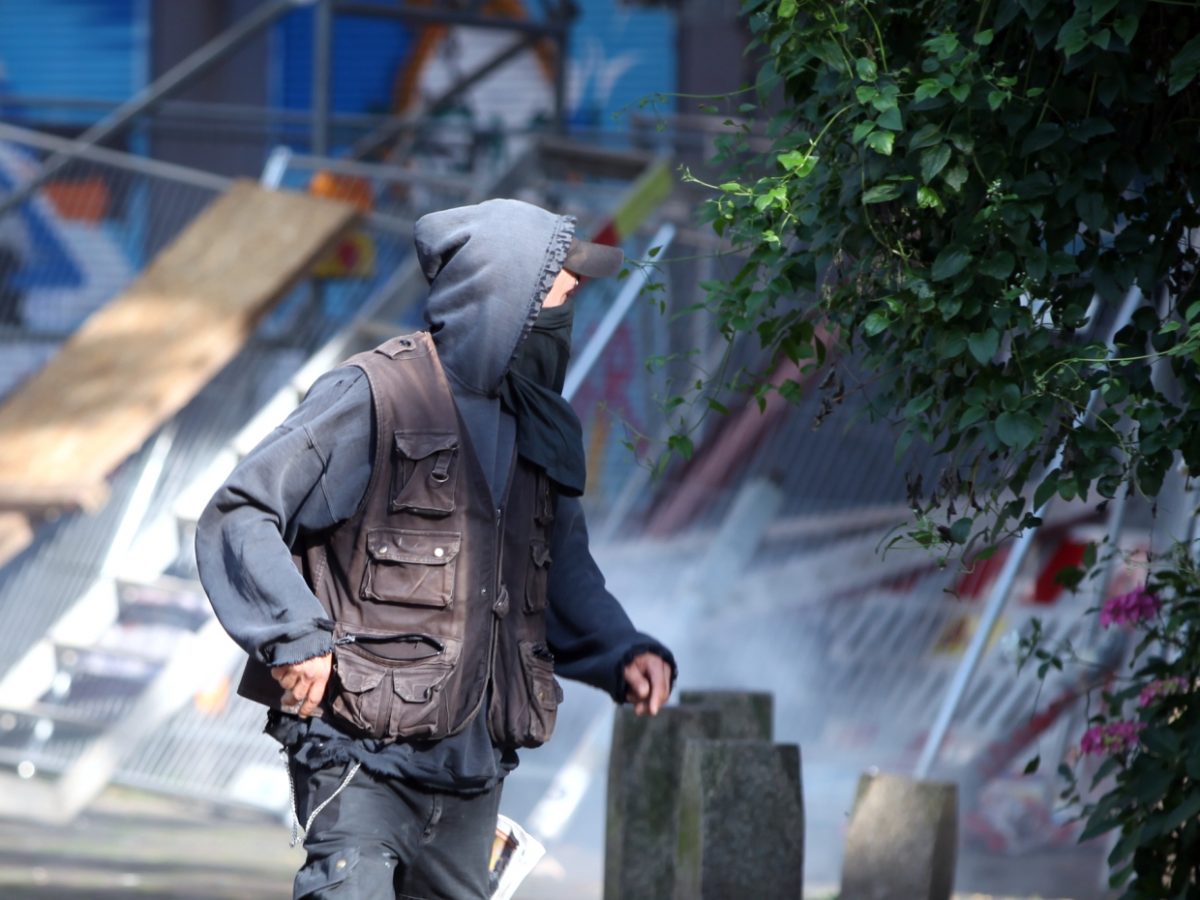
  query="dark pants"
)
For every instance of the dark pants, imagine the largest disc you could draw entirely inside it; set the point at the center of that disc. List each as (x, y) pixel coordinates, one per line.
(381, 839)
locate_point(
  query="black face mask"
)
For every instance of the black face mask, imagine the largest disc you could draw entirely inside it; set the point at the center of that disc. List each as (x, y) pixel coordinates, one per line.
(548, 431)
(544, 355)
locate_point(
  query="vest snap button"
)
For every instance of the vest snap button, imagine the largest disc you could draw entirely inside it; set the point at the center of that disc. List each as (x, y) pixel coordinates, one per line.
(383, 550)
(439, 552)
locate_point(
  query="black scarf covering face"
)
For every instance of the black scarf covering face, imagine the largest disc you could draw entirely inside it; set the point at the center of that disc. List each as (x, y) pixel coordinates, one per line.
(549, 434)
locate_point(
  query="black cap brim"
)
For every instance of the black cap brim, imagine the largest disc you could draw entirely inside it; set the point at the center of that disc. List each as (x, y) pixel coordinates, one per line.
(593, 260)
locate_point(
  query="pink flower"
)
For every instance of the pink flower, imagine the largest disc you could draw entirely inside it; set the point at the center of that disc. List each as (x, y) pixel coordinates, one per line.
(1127, 610)
(1163, 687)
(1112, 737)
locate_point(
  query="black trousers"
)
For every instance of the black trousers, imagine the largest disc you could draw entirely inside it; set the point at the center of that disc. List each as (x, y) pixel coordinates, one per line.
(380, 839)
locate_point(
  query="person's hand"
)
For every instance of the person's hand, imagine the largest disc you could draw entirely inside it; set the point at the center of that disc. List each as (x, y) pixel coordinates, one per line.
(305, 684)
(647, 683)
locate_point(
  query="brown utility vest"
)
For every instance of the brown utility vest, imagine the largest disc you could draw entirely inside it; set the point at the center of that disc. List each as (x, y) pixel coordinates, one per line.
(434, 594)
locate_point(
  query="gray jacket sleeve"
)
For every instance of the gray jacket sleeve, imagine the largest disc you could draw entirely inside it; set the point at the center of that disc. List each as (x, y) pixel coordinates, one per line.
(588, 631)
(309, 474)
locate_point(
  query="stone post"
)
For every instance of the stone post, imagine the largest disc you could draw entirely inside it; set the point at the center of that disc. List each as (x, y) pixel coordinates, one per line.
(741, 822)
(902, 842)
(744, 714)
(643, 798)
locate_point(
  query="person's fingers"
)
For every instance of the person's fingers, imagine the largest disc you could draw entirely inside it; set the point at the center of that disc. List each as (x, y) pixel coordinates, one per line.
(288, 677)
(660, 678)
(315, 694)
(637, 685)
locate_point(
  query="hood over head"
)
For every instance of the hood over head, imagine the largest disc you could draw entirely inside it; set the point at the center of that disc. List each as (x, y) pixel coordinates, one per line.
(489, 267)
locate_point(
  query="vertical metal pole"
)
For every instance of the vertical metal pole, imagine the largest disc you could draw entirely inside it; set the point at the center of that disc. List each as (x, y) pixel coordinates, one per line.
(322, 75)
(998, 599)
(562, 48)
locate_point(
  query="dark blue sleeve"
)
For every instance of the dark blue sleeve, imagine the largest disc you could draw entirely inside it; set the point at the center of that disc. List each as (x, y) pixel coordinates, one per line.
(309, 474)
(590, 635)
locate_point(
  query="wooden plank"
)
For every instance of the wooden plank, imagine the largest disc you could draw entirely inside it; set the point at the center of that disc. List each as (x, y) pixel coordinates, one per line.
(140, 358)
(15, 535)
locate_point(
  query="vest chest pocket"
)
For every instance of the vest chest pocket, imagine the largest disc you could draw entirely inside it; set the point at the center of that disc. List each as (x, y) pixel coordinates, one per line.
(425, 472)
(411, 567)
(537, 578)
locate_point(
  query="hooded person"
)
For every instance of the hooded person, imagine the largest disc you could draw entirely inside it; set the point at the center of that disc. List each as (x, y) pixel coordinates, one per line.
(405, 561)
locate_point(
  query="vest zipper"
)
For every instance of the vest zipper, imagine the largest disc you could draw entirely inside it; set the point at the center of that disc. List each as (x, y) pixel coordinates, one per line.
(482, 706)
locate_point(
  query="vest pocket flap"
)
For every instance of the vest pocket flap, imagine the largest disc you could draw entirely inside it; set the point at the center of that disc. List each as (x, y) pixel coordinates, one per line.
(425, 548)
(358, 675)
(541, 554)
(420, 444)
(418, 684)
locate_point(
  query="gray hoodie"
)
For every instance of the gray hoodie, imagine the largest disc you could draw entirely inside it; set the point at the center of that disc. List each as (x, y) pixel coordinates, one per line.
(489, 268)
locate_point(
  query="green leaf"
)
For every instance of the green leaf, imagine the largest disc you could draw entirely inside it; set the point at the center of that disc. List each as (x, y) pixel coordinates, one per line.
(787, 9)
(944, 45)
(927, 90)
(927, 198)
(875, 323)
(972, 415)
(1097, 826)
(925, 136)
(1126, 27)
(1010, 396)
(866, 68)
(1018, 430)
(882, 193)
(918, 404)
(681, 444)
(960, 92)
(985, 37)
(1089, 128)
(1047, 489)
(983, 346)
(1101, 8)
(1184, 66)
(866, 93)
(798, 163)
(1184, 812)
(891, 119)
(933, 161)
(881, 141)
(961, 530)
(952, 260)
(956, 177)
(1041, 137)
(1090, 207)
(996, 99)
(861, 130)
(1073, 36)
(998, 265)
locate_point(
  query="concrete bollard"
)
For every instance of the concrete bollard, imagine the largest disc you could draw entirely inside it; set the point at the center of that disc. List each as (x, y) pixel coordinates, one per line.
(902, 842)
(741, 822)
(744, 714)
(643, 798)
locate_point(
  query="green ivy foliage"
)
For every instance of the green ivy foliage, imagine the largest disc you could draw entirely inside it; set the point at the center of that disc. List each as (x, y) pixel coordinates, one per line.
(962, 193)
(960, 197)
